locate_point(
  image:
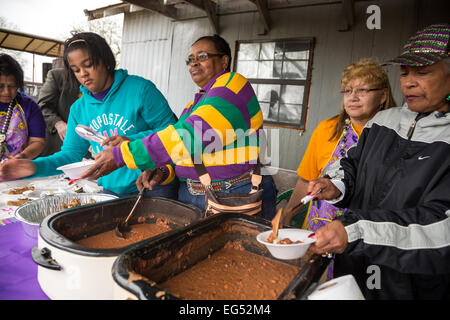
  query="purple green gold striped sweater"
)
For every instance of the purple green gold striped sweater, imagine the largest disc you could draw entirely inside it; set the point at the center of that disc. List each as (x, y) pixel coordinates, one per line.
(222, 127)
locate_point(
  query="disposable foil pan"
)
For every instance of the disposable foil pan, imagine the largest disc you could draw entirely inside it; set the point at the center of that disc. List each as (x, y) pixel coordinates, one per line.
(32, 213)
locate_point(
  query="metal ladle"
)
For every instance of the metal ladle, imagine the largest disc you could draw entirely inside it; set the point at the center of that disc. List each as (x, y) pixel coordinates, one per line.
(123, 227)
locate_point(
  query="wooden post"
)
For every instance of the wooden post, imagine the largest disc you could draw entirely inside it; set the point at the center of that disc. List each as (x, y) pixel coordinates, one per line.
(33, 70)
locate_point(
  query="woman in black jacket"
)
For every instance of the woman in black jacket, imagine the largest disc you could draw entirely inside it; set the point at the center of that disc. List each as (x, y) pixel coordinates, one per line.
(395, 237)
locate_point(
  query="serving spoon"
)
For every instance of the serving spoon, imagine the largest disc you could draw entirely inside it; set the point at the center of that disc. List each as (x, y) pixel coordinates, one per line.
(282, 211)
(89, 134)
(122, 227)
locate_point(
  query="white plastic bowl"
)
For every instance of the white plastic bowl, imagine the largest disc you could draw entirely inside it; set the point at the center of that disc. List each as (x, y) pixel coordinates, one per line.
(74, 170)
(287, 251)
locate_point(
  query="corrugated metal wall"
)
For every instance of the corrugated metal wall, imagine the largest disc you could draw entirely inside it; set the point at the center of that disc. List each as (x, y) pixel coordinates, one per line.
(156, 48)
(147, 47)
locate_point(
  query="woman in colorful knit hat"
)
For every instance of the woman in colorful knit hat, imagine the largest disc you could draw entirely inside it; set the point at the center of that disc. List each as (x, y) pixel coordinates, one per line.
(22, 126)
(221, 127)
(394, 238)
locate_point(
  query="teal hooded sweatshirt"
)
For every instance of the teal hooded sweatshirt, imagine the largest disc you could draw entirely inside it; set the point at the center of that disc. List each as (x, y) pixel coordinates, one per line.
(133, 108)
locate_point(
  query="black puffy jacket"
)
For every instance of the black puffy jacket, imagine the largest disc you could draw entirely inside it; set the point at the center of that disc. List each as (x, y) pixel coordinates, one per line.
(398, 195)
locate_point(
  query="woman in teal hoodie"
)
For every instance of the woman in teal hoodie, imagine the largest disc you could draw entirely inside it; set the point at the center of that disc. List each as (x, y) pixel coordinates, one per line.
(113, 103)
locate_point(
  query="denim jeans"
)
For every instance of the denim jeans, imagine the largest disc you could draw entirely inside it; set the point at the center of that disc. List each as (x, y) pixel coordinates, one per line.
(169, 191)
(269, 195)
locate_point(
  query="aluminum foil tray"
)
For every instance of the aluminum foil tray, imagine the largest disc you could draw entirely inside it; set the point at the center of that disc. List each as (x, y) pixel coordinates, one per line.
(32, 213)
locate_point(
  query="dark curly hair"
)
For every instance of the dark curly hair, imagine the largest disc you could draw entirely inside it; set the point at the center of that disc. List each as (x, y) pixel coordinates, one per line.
(10, 67)
(221, 45)
(97, 48)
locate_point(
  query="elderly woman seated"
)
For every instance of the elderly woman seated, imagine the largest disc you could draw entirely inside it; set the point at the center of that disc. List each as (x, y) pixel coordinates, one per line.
(22, 125)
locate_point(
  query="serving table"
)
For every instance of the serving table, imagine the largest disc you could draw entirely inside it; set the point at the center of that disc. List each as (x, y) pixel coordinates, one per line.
(18, 272)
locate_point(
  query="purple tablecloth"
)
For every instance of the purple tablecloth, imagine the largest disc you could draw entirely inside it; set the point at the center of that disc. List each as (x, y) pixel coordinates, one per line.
(18, 272)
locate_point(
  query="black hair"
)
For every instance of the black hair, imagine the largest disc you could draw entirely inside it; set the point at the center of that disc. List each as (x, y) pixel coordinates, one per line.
(221, 45)
(10, 67)
(97, 48)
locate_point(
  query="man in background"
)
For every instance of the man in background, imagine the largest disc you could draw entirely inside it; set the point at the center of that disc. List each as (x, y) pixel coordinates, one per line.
(55, 99)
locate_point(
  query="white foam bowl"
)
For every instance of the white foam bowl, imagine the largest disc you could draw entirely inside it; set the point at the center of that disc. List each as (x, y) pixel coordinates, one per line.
(74, 170)
(287, 251)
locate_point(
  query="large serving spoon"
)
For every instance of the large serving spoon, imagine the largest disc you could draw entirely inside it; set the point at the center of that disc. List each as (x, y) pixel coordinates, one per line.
(122, 227)
(282, 211)
(89, 134)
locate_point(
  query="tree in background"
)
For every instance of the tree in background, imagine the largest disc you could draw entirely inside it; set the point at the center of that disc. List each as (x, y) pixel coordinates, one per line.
(5, 24)
(109, 27)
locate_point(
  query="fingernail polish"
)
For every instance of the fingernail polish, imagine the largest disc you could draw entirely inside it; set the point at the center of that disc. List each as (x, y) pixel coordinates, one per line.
(311, 235)
(308, 193)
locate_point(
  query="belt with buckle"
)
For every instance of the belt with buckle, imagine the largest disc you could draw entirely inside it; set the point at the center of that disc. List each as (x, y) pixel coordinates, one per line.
(196, 188)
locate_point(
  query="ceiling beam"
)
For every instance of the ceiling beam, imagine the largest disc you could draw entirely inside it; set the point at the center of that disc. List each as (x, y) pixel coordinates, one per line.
(348, 15)
(211, 11)
(157, 6)
(27, 45)
(107, 11)
(50, 49)
(196, 3)
(172, 2)
(4, 39)
(263, 10)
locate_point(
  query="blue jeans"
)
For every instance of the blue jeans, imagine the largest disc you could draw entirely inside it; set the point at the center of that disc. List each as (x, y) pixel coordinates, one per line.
(169, 191)
(269, 196)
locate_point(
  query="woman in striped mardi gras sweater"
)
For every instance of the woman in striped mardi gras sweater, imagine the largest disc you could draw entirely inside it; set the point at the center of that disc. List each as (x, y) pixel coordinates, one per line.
(222, 127)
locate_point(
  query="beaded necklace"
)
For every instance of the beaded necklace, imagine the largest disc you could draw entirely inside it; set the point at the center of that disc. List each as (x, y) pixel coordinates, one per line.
(6, 122)
(5, 126)
(342, 151)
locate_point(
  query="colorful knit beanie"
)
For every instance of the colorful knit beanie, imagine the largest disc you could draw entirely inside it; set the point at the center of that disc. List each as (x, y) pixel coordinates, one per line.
(426, 47)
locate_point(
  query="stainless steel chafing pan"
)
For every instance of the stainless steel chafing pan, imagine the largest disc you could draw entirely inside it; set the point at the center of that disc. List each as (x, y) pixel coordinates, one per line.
(32, 213)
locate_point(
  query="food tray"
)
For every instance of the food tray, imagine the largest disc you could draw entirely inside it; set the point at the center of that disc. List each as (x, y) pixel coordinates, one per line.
(32, 213)
(65, 229)
(140, 270)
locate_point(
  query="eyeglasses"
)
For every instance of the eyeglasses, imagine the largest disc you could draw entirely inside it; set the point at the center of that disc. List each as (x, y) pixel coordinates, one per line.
(360, 92)
(7, 87)
(202, 56)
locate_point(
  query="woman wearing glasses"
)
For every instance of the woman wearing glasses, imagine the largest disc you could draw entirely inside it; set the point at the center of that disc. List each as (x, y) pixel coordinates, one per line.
(22, 125)
(366, 90)
(221, 127)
